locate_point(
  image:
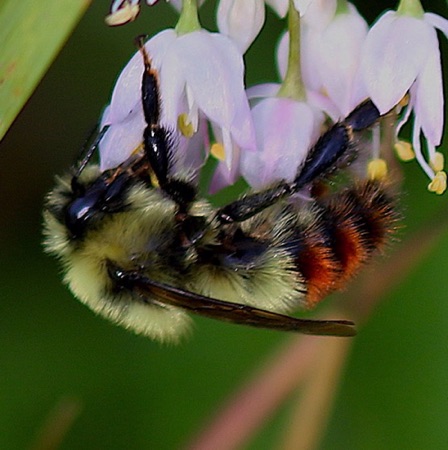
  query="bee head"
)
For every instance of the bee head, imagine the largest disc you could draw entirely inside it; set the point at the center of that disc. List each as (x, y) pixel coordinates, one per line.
(91, 202)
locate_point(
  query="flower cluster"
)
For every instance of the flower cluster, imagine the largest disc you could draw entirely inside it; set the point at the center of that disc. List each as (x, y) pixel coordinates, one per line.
(329, 61)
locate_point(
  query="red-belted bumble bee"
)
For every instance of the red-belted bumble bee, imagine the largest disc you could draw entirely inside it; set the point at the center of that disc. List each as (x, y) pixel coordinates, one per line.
(139, 246)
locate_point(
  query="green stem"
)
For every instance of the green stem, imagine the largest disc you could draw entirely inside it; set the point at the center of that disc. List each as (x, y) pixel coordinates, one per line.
(411, 8)
(292, 86)
(188, 19)
(342, 7)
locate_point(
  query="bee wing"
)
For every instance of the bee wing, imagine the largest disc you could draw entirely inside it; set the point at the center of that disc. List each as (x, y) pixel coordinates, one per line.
(229, 311)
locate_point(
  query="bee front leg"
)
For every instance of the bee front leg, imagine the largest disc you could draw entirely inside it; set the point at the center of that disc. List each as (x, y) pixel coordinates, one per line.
(158, 141)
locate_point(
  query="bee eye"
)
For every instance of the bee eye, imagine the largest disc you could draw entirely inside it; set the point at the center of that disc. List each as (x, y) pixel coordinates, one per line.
(113, 199)
(79, 213)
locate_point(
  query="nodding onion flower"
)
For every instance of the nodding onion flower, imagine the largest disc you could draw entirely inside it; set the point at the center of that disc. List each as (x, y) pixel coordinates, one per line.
(340, 62)
(401, 59)
(201, 76)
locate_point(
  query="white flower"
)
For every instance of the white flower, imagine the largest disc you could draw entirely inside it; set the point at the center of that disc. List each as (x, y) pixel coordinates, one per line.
(330, 53)
(402, 55)
(200, 75)
(285, 131)
(241, 20)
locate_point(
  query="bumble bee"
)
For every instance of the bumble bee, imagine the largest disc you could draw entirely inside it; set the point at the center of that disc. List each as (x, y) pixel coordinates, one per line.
(145, 253)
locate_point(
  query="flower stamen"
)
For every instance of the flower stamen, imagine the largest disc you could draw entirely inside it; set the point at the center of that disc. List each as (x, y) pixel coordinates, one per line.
(437, 162)
(217, 150)
(404, 150)
(377, 169)
(438, 183)
(185, 125)
(122, 12)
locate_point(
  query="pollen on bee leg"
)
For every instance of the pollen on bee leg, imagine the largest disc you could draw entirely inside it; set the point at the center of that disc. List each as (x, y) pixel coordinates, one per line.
(377, 169)
(217, 150)
(438, 183)
(437, 162)
(185, 126)
(404, 150)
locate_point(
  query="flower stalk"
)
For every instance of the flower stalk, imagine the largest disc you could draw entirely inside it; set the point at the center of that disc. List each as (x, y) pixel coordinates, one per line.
(411, 8)
(189, 18)
(292, 86)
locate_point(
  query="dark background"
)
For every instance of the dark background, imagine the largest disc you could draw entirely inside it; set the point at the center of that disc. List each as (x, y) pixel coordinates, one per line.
(136, 394)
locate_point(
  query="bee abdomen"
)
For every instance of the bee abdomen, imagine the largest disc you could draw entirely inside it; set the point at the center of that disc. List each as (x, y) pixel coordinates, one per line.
(348, 229)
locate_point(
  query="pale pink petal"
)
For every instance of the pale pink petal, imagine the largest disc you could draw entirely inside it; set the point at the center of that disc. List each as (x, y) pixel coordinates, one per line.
(429, 96)
(279, 6)
(262, 90)
(121, 140)
(282, 54)
(395, 52)
(242, 127)
(322, 103)
(437, 21)
(320, 13)
(416, 144)
(310, 45)
(285, 130)
(359, 90)
(190, 153)
(241, 20)
(172, 87)
(302, 5)
(223, 177)
(127, 92)
(213, 69)
(340, 52)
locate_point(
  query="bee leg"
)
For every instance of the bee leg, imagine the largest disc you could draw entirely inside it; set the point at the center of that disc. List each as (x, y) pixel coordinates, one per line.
(157, 140)
(250, 205)
(335, 148)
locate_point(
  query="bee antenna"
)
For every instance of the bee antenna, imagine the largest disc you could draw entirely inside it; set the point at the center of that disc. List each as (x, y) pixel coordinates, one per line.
(88, 156)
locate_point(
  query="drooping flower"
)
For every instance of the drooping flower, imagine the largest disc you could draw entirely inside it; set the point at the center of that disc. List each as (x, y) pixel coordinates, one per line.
(331, 51)
(401, 56)
(241, 20)
(286, 122)
(285, 131)
(200, 76)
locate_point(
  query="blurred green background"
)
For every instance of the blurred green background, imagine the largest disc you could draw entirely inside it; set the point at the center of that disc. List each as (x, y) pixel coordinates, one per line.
(135, 394)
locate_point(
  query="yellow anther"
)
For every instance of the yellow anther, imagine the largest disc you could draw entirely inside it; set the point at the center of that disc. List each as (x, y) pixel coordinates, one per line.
(127, 13)
(437, 162)
(217, 150)
(438, 183)
(404, 101)
(184, 125)
(404, 150)
(377, 169)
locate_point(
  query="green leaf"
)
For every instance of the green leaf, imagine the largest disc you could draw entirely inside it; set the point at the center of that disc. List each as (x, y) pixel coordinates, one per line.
(32, 33)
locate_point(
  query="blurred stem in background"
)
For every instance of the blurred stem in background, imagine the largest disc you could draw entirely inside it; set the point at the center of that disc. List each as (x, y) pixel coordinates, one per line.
(314, 365)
